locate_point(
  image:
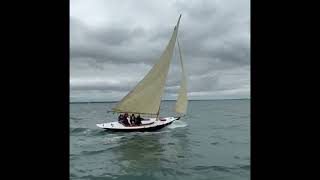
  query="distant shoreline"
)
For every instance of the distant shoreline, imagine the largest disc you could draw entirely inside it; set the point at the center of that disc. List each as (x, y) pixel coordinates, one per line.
(162, 100)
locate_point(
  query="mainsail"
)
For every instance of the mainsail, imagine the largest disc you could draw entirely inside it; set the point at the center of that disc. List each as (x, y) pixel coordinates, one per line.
(182, 101)
(145, 98)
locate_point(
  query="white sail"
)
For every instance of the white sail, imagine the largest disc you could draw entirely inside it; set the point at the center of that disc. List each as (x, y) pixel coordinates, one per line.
(182, 100)
(145, 98)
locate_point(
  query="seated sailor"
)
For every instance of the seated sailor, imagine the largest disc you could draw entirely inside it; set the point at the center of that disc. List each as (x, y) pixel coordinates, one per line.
(120, 118)
(138, 120)
(132, 119)
(125, 120)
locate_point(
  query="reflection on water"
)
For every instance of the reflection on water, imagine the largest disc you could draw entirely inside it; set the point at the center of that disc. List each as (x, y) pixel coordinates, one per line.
(154, 154)
(139, 154)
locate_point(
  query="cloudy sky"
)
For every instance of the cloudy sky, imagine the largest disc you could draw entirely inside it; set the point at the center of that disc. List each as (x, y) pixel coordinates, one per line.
(114, 43)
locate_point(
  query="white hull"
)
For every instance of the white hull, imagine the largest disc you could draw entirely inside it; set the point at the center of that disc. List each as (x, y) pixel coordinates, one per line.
(147, 125)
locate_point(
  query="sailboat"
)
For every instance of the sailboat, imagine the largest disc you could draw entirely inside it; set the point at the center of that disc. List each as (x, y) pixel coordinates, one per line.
(145, 98)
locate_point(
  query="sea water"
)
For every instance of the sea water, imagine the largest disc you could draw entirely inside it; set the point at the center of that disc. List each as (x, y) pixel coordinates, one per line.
(211, 142)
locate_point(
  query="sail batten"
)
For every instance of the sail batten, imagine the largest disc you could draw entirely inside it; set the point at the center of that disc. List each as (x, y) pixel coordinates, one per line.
(145, 98)
(182, 100)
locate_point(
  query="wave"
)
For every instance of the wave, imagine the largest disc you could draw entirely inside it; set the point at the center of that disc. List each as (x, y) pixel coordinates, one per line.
(86, 131)
(81, 174)
(245, 167)
(73, 175)
(98, 142)
(78, 130)
(73, 157)
(75, 118)
(238, 142)
(95, 177)
(215, 168)
(96, 132)
(246, 116)
(214, 143)
(93, 152)
(228, 115)
(222, 168)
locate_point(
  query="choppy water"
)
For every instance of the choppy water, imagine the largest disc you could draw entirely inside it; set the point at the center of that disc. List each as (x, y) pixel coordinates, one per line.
(212, 142)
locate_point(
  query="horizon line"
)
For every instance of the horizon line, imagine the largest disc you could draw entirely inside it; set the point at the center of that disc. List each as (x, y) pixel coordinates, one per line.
(111, 101)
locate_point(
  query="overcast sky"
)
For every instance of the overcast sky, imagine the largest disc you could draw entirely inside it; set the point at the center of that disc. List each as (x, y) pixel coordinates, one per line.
(114, 43)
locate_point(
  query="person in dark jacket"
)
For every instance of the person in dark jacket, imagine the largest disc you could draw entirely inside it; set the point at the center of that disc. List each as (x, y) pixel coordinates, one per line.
(132, 119)
(120, 118)
(125, 115)
(138, 120)
(125, 120)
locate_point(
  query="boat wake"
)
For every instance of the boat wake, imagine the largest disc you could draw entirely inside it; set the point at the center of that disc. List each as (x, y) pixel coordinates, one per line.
(178, 124)
(151, 133)
(113, 139)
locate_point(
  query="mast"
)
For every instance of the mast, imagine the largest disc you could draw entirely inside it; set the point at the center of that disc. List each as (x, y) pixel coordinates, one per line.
(158, 113)
(157, 118)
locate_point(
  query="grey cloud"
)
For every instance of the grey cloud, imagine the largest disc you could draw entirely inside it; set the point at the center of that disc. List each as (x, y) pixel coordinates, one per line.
(214, 38)
(102, 86)
(107, 44)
